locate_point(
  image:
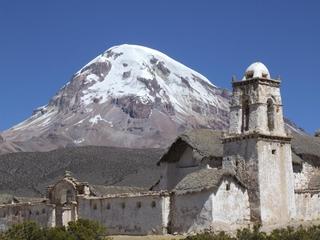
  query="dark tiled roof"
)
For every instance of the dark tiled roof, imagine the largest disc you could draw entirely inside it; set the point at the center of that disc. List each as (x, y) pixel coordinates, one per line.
(203, 179)
(29, 199)
(100, 190)
(314, 183)
(296, 159)
(6, 198)
(307, 148)
(207, 142)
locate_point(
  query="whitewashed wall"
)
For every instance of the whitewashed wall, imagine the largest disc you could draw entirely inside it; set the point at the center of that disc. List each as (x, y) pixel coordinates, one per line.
(308, 205)
(129, 215)
(231, 207)
(191, 212)
(207, 210)
(276, 182)
(41, 213)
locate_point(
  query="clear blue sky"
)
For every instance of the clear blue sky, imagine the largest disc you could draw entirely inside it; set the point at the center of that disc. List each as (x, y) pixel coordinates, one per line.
(42, 43)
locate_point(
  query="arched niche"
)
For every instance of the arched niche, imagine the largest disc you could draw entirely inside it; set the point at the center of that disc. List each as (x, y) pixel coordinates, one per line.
(245, 115)
(270, 114)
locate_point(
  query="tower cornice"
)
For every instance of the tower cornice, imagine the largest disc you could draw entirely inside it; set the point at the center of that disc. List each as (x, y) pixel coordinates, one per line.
(258, 136)
(256, 103)
(259, 80)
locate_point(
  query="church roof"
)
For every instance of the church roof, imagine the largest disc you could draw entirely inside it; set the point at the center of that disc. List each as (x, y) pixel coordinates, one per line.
(306, 148)
(314, 183)
(6, 198)
(203, 179)
(9, 198)
(207, 142)
(101, 190)
(296, 159)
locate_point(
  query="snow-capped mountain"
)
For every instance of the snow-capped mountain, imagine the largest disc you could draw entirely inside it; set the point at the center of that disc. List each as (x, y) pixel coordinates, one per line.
(129, 96)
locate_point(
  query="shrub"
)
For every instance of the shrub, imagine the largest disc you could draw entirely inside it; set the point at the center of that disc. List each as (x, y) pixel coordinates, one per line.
(58, 233)
(309, 233)
(86, 230)
(211, 236)
(78, 230)
(24, 231)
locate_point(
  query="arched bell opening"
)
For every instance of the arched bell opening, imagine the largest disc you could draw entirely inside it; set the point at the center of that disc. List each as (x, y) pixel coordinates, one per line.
(270, 114)
(245, 116)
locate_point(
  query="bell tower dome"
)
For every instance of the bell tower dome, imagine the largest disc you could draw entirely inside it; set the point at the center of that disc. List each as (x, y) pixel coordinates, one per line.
(256, 105)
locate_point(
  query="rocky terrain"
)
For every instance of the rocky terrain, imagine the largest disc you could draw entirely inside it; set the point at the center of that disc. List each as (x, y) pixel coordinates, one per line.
(129, 96)
(28, 174)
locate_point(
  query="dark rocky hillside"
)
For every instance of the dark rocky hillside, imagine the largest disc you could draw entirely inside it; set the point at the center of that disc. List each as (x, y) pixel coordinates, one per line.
(28, 174)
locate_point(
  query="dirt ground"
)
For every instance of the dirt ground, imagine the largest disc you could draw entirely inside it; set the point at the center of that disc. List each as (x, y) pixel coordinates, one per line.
(170, 237)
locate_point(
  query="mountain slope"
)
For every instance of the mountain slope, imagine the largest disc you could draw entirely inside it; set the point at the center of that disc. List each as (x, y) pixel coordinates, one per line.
(28, 174)
(129, 96)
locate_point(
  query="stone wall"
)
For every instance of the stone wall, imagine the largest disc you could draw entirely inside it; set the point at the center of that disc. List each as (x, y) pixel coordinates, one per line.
(257, 95)
(303, 175)
(308, 205)
(41, 213)
(135, 214)
(226, 209)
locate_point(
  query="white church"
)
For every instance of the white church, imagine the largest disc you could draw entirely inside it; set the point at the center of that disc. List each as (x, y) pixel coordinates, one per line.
(210, 180)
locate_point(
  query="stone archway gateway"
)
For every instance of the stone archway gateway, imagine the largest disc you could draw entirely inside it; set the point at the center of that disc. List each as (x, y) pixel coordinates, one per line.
(64, 195)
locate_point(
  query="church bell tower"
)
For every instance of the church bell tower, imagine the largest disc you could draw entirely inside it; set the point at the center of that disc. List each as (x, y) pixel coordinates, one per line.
(257, 147)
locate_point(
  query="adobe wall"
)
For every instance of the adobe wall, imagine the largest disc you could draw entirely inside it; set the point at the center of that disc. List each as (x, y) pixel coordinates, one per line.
(265, 166)
(233, 197)
(307, 205)
(206, 210)
(241, 157)
(276, 182)
(173, 172)
(136, 214)
(303, 176)
(191, 212)
(41, 213)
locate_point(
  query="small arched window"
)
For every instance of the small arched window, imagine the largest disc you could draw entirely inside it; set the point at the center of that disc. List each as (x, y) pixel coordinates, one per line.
(270, 114)
(245, 116)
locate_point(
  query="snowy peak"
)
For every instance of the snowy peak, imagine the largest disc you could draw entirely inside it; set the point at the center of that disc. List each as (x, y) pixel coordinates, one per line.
(129, 96)
(145, 73)
(139, 57)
